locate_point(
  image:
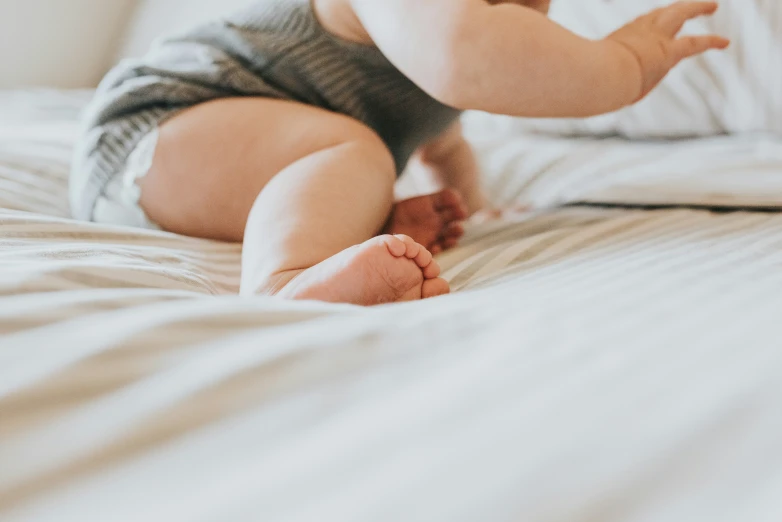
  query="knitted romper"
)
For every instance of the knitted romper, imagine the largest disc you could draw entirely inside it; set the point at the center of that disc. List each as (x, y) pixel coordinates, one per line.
(271, 49)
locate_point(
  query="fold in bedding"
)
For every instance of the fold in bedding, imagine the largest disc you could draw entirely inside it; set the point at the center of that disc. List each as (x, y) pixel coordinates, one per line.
(592, 364)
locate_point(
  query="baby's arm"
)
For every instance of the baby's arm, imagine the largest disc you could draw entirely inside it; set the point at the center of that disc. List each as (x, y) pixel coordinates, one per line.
(451, 161)
(513, 60)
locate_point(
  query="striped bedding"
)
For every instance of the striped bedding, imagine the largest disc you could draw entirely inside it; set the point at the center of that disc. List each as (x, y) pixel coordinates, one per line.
(594, 362)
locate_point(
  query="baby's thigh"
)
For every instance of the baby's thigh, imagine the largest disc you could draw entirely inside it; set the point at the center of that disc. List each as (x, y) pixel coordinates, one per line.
(213, 160)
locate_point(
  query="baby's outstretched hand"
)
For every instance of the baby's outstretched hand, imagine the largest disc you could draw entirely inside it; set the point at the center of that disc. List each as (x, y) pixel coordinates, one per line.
(654, 42)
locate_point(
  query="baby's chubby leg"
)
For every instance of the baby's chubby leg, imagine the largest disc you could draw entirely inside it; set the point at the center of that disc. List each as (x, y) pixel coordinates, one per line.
(307, 190)
(308, 234)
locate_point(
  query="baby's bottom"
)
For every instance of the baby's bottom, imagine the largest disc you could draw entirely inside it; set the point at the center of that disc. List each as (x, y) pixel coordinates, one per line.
(307, 191)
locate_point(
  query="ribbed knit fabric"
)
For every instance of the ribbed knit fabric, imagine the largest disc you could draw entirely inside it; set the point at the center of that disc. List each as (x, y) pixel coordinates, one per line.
(275, 48)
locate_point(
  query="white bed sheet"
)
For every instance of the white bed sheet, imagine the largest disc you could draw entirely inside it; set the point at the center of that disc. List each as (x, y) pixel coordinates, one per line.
(594, 364)
(540, 170)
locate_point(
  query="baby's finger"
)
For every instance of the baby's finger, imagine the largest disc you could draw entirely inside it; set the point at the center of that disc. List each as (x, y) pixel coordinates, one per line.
(693, 45)
(673, 18)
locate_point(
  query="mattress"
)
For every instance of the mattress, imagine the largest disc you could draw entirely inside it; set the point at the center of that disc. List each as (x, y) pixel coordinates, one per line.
(612, 351)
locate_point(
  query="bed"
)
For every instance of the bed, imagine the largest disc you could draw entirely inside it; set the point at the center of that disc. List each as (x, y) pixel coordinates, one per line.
(611, 352)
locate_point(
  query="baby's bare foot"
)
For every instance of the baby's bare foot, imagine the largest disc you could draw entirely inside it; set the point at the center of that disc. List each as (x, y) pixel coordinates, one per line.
(433, 221)
(385, 269)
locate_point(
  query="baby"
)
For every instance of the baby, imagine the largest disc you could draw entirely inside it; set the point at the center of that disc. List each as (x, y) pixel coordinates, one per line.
(286, 125)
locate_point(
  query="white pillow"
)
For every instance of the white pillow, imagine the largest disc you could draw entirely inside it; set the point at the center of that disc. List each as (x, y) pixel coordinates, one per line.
(735, 91)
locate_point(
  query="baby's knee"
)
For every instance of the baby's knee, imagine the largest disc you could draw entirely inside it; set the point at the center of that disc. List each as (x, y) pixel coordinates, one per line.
(371, 148)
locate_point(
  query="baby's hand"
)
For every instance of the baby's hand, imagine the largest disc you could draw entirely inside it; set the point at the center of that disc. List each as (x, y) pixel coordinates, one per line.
(653, 41)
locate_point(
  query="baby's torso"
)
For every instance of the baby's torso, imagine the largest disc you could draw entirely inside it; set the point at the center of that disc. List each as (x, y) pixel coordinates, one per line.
(283, 43)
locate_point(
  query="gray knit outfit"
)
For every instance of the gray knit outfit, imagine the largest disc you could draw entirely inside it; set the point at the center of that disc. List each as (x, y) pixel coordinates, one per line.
(275, 49)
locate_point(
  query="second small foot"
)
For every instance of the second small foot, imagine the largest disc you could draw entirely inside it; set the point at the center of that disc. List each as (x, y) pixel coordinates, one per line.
(385, 269)
(434, 221)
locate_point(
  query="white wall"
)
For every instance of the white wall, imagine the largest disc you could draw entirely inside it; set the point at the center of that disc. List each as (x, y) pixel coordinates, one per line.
(59, 43)
(156, 17)
(72, 43)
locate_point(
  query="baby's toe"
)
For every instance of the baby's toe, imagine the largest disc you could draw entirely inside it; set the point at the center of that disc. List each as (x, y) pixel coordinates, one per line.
(432, 270)
(450, 237)
(424, 258)
(449, 243)
(411, 247)
(396, 245)
(450, 205)
(453, 230)
(447, 198)
(434, 287)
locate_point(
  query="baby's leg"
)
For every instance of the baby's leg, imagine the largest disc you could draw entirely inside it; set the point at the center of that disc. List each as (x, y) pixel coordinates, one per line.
(305, 188)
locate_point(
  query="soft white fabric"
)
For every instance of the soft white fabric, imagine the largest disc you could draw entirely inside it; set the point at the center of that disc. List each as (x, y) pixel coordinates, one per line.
(733, 91)
(592, 365)
(119, 204)
(542, 171)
